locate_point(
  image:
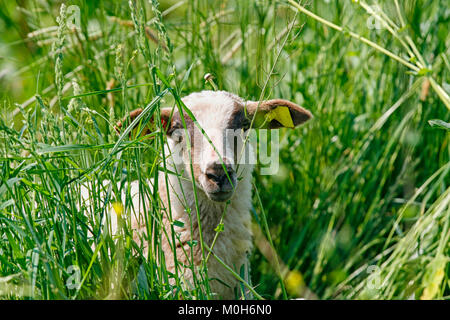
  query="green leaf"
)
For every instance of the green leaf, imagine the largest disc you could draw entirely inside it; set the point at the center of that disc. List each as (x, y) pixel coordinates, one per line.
(178, 223)
(220, 227)
(6, 204)
(17, 251)
(8, 185)
(439, 124)
(161, 77)
(93, 93)
(70, 121)
(192, 243)
(423, 72)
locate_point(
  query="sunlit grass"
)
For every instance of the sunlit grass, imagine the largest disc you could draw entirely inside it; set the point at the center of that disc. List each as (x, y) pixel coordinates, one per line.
(359, 209)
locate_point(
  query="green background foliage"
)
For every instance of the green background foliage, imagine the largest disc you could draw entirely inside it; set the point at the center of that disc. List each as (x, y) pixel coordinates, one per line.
(360, 207)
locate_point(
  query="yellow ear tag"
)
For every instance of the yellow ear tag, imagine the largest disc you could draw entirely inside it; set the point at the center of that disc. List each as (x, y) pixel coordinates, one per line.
(282, 115)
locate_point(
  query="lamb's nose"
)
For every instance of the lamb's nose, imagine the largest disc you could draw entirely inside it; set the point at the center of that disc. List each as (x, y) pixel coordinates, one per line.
(222, 174)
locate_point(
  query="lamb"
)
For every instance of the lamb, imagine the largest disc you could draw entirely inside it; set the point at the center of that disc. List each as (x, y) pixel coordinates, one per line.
(221, 188)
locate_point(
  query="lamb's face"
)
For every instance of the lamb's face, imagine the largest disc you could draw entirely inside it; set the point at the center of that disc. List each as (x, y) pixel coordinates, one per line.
(209, 145)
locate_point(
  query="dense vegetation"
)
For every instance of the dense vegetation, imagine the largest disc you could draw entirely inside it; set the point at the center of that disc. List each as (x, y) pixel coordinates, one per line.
(360, 207)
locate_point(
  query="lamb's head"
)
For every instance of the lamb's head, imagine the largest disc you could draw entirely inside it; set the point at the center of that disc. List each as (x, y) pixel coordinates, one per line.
(207, 143)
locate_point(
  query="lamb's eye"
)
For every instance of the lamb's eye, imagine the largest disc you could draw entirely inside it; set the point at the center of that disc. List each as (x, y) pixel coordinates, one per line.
(177, 135)
(246, 124)
(177, 132)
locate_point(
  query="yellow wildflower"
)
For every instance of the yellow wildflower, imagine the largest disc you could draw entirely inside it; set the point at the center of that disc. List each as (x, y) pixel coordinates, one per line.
(294, 282)
(118, 208)
(433, 288)
(433, 277)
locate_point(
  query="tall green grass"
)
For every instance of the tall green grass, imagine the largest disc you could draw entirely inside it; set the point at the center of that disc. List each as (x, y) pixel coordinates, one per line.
(359, 209)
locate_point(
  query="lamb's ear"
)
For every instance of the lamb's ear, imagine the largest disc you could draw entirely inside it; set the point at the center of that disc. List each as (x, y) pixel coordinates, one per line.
(276, 113)
(165, 121)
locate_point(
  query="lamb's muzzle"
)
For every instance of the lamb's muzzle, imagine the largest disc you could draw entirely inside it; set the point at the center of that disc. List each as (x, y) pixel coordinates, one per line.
(220, 180)
(223, 185)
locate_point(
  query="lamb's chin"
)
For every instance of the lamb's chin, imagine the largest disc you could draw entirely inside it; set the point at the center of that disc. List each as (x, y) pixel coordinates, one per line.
(220, 196)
